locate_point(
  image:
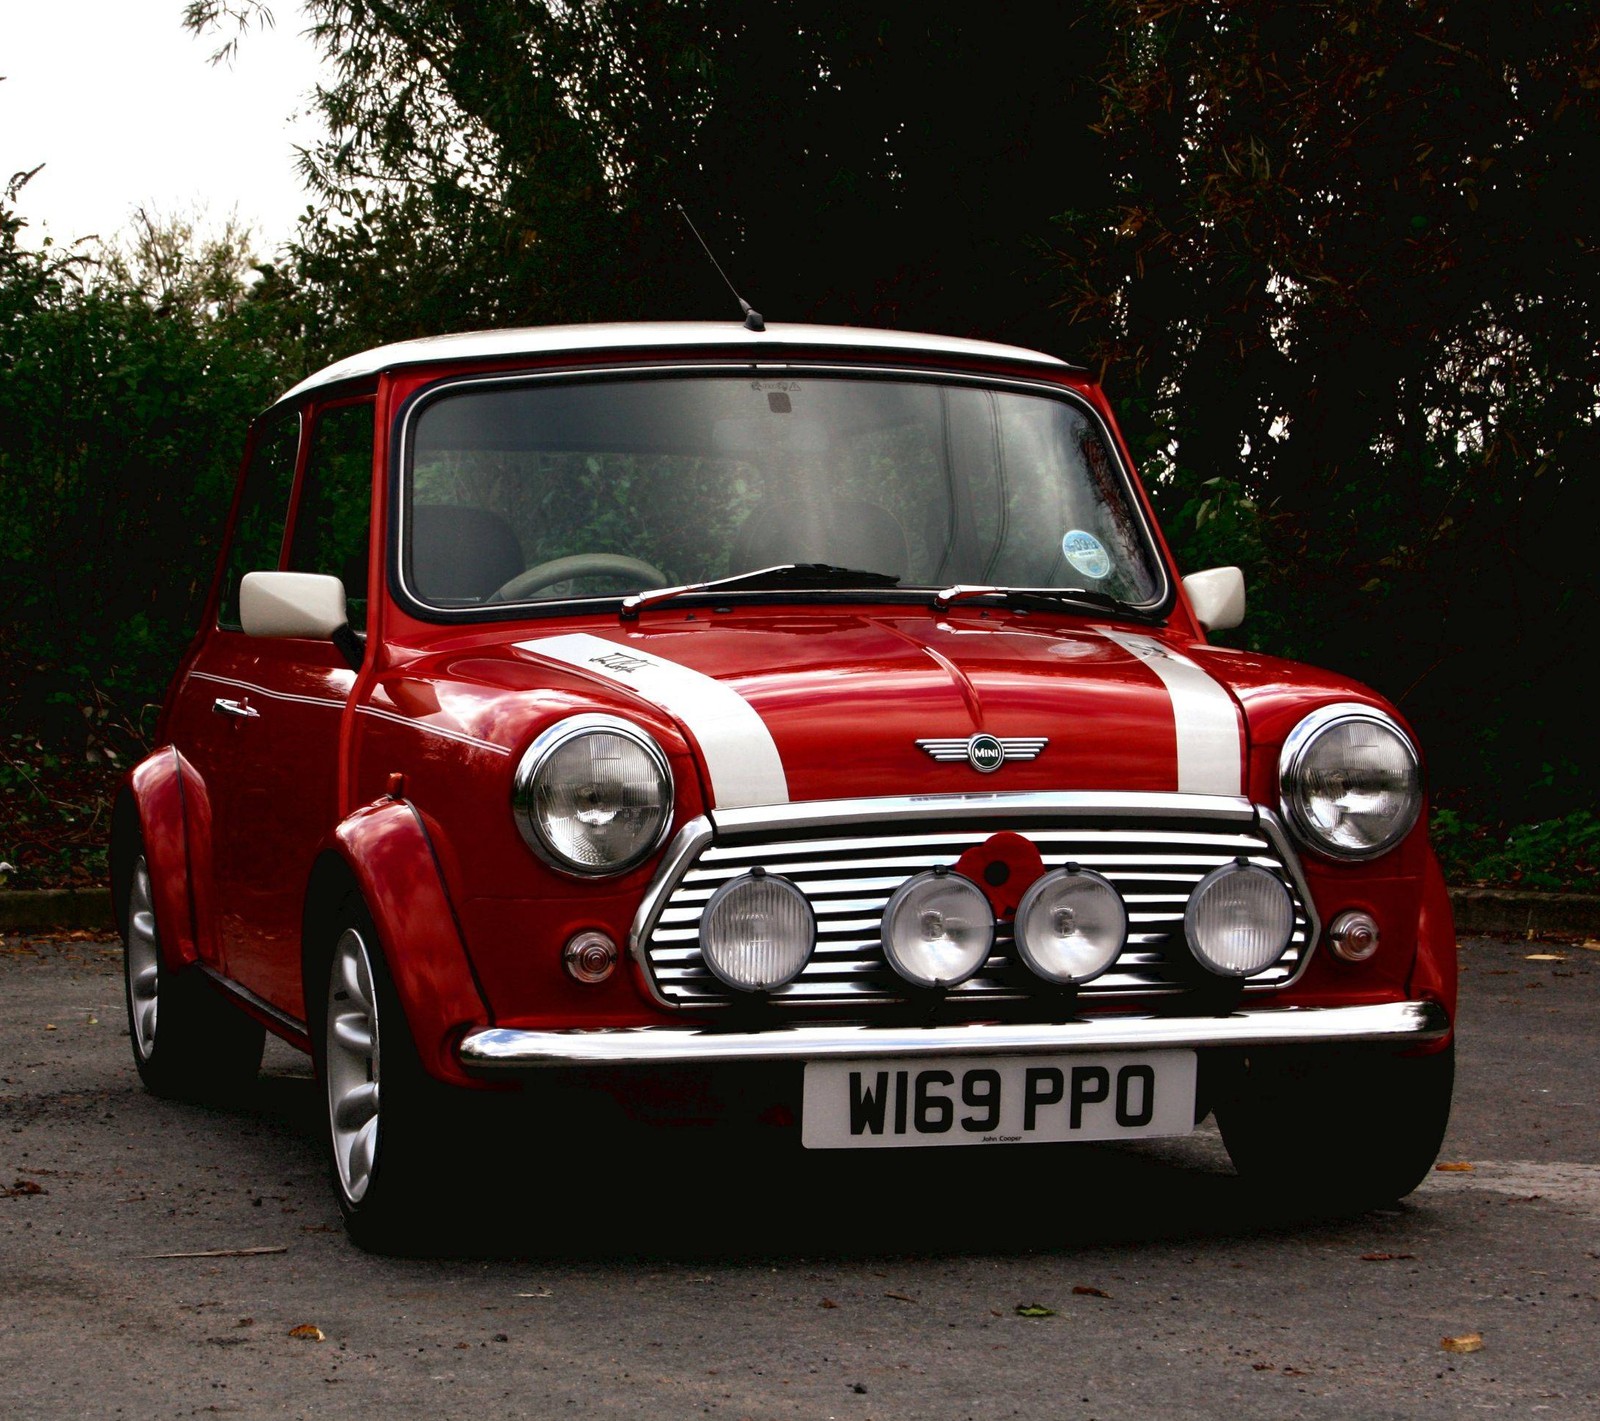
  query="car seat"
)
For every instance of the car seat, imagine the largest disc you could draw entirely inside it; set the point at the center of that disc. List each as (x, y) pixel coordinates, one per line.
(460, 553)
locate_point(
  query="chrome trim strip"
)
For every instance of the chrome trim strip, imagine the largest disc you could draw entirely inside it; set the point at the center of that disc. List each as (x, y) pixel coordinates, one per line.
(381, 714)
(271, 695)
(1273, 828)
(498, 1048)
(685, 848)
(460, 736)
(1015, 804)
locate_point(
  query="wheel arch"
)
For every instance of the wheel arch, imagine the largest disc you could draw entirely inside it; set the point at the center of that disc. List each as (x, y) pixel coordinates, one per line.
(149, 810)
(1434, 971)
(382, 854)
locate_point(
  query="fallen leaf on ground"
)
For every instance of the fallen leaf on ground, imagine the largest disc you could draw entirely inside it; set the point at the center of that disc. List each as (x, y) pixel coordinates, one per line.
(1261, 1366)
(1459, 1166)
(1034, 1310)
(21, 1187)
(827, 1303)
(901, 1297)
(1384, 1257)
(50, 1026)
(306, 1332)
(1545, 957)
(1083, 1290)
(1467, 1342)
(1592, 944)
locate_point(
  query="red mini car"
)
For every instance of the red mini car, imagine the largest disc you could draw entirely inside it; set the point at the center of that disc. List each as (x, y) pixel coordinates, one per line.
(811, 707)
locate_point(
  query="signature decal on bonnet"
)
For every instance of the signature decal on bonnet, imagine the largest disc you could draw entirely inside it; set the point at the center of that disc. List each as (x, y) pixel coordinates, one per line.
(985, 753)
(619, 661)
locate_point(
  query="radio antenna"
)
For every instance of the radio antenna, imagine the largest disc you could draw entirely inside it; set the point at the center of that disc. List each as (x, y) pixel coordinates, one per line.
(752, 317)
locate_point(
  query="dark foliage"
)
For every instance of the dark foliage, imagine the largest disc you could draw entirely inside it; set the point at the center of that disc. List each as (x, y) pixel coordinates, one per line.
(1335, 262)
(490, 165)
(1348, 297)
(126, 381)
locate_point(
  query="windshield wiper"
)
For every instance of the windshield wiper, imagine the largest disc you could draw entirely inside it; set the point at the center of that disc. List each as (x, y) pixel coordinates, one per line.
(1043, 599)
(793, 575)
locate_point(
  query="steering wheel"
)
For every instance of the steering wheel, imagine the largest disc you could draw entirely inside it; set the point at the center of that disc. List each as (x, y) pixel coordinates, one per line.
(546, 574)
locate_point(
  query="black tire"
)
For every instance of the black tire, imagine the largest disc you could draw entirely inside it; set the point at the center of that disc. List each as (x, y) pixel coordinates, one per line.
(382, 1185)
(189, 1042)
(1340, 1132)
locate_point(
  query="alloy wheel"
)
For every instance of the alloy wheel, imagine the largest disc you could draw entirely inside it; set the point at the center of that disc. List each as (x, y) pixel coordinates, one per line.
(352, 1067)
(143, 963)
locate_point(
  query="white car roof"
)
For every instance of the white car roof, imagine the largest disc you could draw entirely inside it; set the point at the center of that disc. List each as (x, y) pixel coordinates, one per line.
(644, 335)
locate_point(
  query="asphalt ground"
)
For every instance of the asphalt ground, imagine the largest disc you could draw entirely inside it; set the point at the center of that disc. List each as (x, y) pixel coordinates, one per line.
(684, 1278)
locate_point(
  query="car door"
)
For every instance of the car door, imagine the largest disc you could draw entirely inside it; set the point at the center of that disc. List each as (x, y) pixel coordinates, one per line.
(266, 744)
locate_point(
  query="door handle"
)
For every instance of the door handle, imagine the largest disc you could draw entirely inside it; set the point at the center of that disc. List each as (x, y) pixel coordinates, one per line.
(236, 708)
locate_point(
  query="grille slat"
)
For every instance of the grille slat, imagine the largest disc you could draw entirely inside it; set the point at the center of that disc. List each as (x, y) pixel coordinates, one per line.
(850, 877)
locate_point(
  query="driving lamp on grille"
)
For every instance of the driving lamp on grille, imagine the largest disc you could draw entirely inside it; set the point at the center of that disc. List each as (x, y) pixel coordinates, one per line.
(592, 795)
(937, 929)
(1351, 781)
(1239, 920)
(1071, 925)
(757, 932)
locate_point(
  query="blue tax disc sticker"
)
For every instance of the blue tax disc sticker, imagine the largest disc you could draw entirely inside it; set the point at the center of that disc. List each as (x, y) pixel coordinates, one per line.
(1085, 552)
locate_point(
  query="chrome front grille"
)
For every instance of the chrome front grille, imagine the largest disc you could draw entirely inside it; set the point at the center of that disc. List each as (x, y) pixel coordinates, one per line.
(848, 870)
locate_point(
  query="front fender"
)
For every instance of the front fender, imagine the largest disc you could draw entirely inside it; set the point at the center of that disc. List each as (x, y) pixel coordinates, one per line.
(385, 849)
(149, 811)
(1434, 973)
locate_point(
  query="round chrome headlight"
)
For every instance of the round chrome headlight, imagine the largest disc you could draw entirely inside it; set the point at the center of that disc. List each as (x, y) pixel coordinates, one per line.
(1239, 920)
(1071, 925)
(593, 795)
(1351, 782)
(937, 929)
(757, 932)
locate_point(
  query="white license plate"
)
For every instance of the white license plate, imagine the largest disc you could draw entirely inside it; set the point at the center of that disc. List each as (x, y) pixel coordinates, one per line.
(997, 1100)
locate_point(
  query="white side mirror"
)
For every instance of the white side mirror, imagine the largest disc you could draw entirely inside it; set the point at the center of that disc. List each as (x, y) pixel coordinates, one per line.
(297, 604)
(1217, 596)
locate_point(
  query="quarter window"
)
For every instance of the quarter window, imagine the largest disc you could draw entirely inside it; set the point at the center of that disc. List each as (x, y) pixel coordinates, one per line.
(331, 525)
(263, 510)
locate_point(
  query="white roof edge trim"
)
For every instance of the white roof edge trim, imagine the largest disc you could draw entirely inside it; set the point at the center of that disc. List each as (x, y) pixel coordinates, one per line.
(783, 340)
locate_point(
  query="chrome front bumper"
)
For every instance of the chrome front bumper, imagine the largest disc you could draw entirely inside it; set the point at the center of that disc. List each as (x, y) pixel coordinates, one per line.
(1400, 1023)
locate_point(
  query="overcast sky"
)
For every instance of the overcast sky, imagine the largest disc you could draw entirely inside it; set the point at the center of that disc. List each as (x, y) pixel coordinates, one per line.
(119, 103)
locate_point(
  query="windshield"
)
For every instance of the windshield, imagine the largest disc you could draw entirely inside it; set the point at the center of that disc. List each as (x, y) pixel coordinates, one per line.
(540, 490)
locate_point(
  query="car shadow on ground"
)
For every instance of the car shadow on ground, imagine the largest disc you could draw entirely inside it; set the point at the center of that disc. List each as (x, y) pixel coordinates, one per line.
(515, 1183)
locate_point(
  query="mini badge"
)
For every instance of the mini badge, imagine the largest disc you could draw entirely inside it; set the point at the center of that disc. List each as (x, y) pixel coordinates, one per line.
(1086, 553)
(985, 753)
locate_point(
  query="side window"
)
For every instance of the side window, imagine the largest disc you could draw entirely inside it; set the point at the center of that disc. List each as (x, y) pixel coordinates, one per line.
(263, 510)
(330, 528)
